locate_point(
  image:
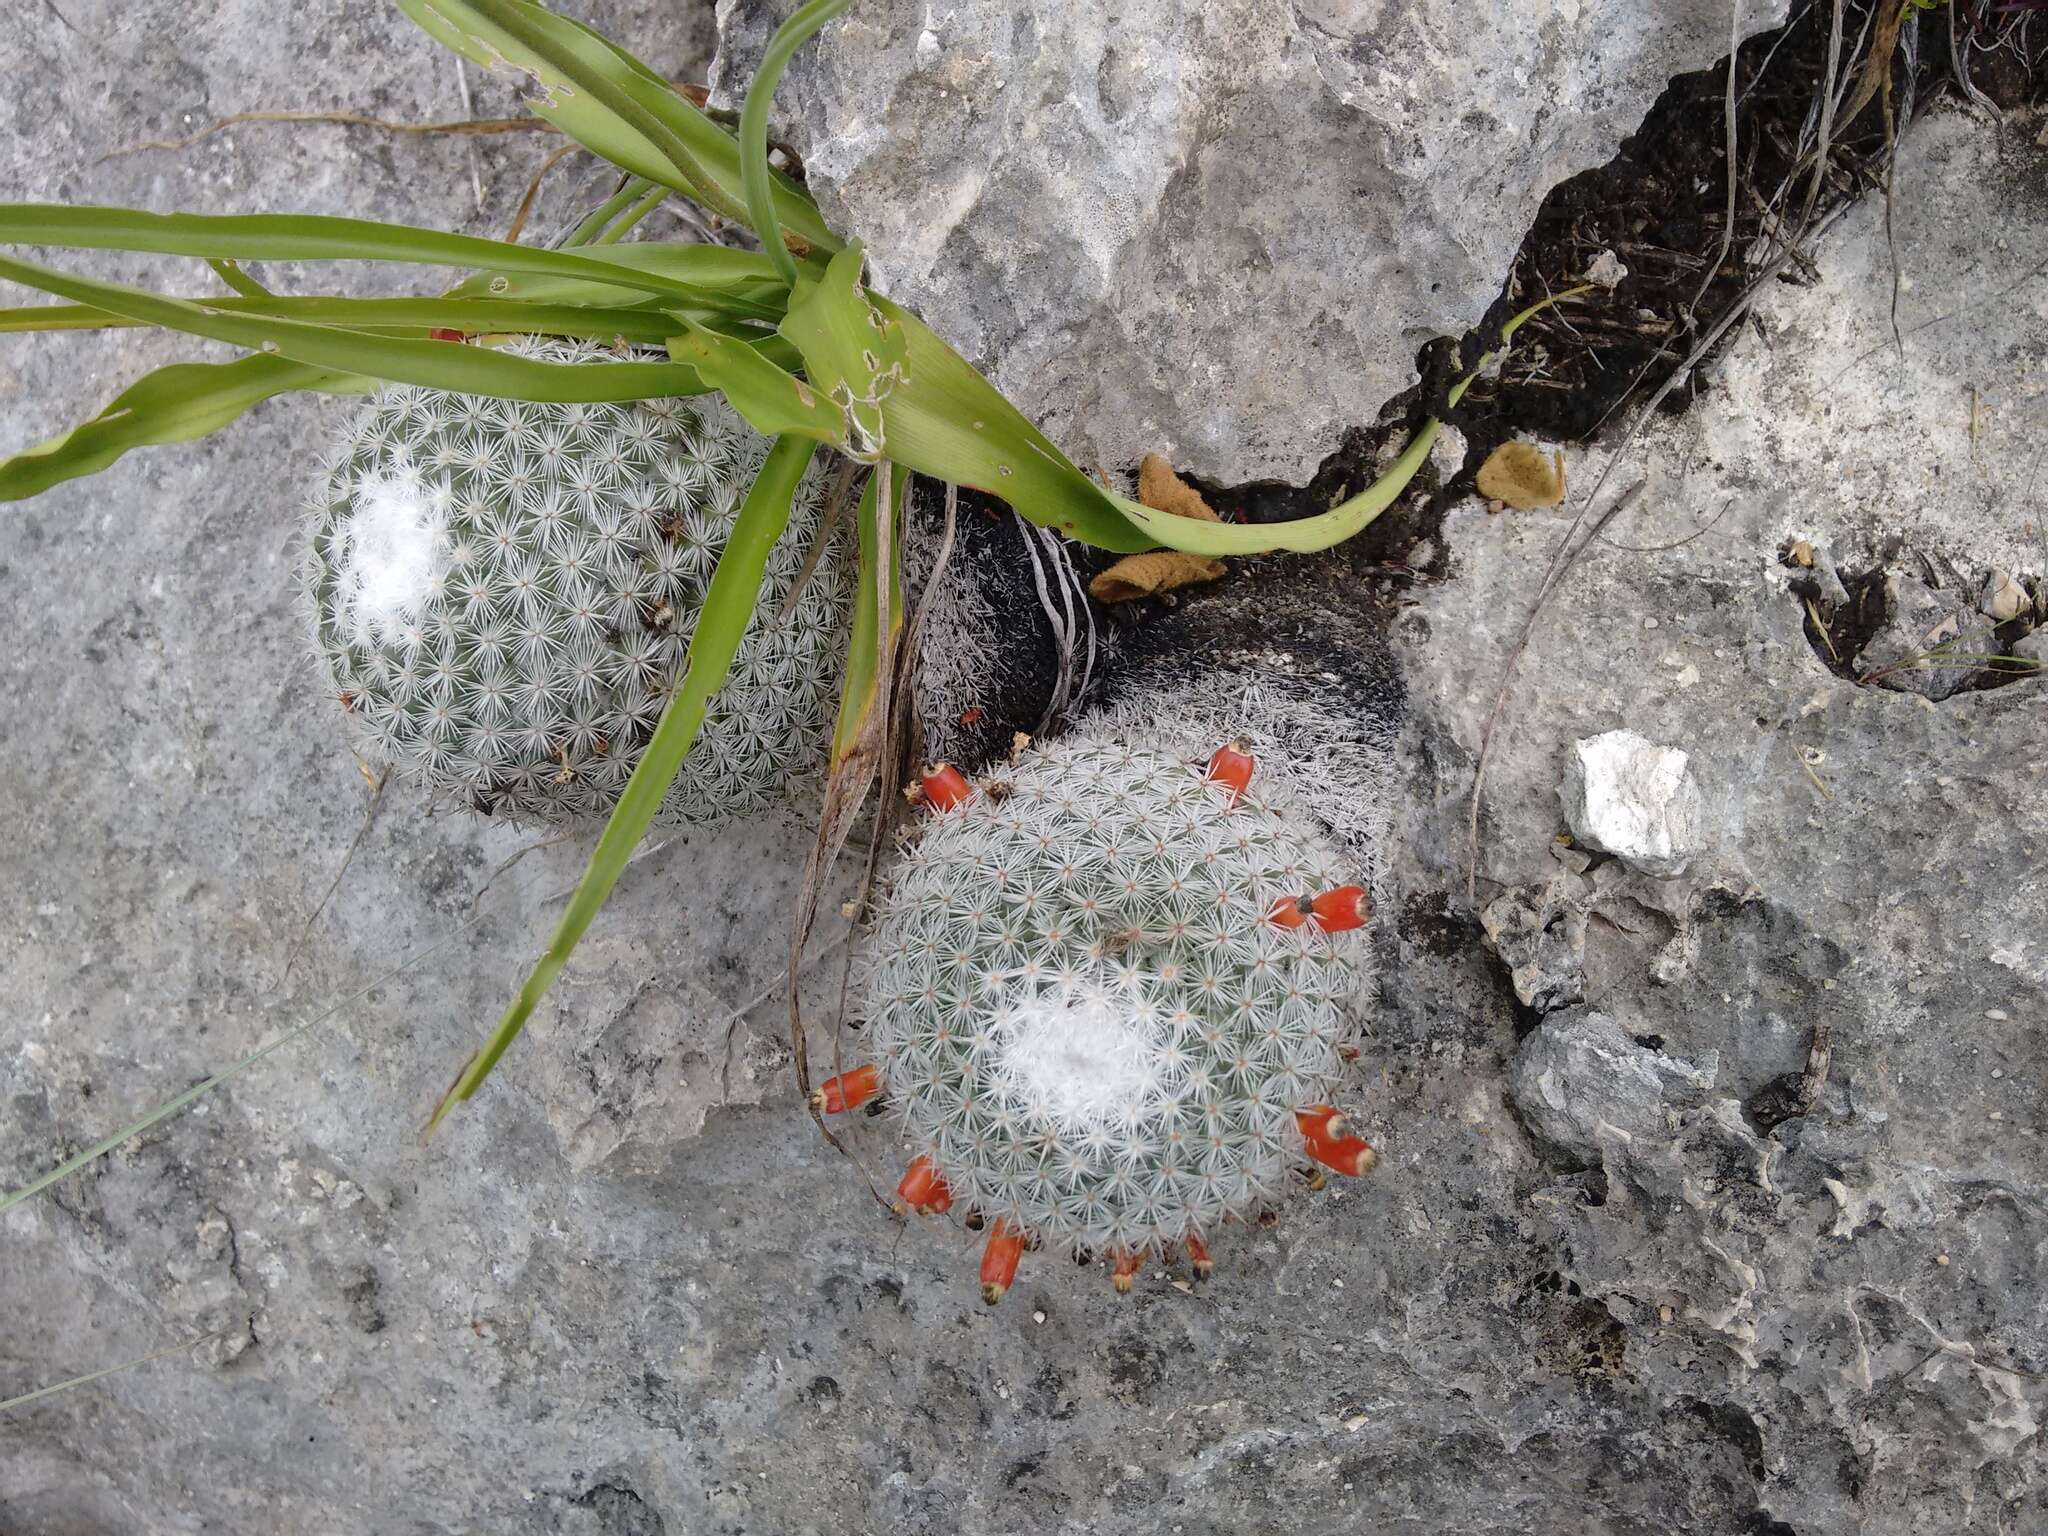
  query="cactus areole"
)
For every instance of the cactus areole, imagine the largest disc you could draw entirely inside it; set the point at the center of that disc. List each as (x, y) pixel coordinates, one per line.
(1094, 1033)
(504, 594)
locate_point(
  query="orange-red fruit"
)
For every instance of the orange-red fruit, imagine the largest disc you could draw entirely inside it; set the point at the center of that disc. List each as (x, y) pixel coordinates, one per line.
(1291, 912)
(944, 786)
(1198, 1256)
(1320, 1121)
(1123, 1268)
(1353, 1156)
(1330, 1142)
(1343, 909)
(849, 1090)
(1230, 766)
(923, 1191)
(999, 1260)
(1337, 911)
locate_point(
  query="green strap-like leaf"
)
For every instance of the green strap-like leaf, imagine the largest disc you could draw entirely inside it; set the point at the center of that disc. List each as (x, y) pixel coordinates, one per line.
(171, 405)
(580, 73)
(773, 400)
(869, 647)
(757, 180)
(434, 364)
(238, 281)
(695, 270)
(939, 418)
(317, 237)
(591, 228)
(473, 317)
(854, 354)
(611, 103)
(1341, 522)
(946, 421)
(721, 624)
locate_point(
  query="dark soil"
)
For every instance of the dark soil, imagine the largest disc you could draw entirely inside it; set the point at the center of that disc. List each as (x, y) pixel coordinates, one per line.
(1839, 632)
(1661, 204)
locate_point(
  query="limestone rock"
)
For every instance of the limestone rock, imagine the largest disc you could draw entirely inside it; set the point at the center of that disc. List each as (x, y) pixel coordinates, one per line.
(1846, 1294)
(1638, 801)
(1218, 230)
(1539, 932)
(1580, 1083)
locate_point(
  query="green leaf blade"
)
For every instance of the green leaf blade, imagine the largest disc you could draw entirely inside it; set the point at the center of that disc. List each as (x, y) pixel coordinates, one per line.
(171, 405)
(316, 237)
(870, 645)
(946, 421)
(404, 360)
(854, 353)
(614, 105)
(771, 399)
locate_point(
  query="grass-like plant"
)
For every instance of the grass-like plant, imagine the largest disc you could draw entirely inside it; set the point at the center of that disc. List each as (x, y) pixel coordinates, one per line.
(788, 334)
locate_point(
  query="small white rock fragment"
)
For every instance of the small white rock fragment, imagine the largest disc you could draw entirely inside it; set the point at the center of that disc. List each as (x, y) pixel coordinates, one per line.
(1605, 270)
(1634, 799)
(2002, 599)
(1447, 453)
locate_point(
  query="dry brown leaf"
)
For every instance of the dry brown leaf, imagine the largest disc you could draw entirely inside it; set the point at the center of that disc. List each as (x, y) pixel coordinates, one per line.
(1160, 570)
(1163, 491)
(1523, 476)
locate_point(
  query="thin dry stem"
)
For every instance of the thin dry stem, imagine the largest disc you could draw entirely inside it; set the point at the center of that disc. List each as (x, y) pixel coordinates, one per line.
(468, 126)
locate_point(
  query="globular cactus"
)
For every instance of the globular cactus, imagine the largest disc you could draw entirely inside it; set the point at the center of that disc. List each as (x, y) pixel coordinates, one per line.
(1109, 1004)
(505, 592)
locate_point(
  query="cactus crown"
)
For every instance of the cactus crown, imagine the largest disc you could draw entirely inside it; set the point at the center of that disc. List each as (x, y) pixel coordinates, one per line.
(1080, 1007)
(505, 591)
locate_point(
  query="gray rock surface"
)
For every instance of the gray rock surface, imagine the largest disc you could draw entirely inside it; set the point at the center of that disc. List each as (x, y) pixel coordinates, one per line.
(1221, 231)
(628, 1290)
(1832, 1263)
(1634, 799)
(1582, 1085)
(1539, 932)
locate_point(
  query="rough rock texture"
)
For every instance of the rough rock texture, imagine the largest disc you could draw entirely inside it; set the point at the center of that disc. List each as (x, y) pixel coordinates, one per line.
(1221, 231)
(1539, 932)
(628, 1290)
(1581, 1084)
(1931, 643)
(1634, 799)
(1831, 1263)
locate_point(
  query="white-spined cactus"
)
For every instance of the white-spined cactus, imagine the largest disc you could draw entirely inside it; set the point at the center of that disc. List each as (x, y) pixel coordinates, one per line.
(1109, 1004)
(504, 596)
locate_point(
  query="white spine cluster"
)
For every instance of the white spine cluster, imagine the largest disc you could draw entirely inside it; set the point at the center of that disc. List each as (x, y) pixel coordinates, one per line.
(1081, 1010)
(505, 592)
